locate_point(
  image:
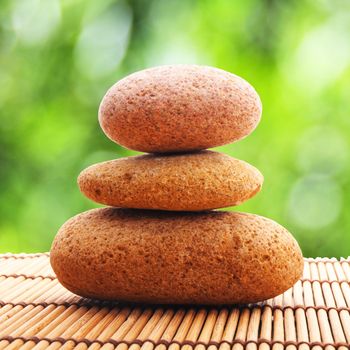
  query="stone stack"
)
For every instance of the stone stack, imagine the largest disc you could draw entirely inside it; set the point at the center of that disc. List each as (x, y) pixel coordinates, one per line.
(160, 241)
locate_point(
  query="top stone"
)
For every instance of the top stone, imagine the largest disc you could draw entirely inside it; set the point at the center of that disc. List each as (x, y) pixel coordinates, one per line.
(179, 108)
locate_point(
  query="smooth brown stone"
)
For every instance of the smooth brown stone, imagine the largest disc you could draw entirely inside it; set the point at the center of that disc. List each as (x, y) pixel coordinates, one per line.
(188, 182)
(168, 257)
(179, 108)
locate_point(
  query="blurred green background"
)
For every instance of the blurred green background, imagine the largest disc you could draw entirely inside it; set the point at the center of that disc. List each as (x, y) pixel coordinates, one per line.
(57, 59)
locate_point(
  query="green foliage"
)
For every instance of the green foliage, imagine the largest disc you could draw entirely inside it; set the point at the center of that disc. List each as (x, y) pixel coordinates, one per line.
(57, 59)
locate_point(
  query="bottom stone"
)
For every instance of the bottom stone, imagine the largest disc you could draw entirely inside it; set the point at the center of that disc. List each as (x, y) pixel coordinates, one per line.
(211, 257)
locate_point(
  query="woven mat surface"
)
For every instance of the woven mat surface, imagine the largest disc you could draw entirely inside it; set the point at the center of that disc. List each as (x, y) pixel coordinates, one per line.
(36, 312)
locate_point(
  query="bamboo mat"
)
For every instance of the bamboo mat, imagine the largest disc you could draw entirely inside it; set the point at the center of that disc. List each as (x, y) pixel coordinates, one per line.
(36, 312)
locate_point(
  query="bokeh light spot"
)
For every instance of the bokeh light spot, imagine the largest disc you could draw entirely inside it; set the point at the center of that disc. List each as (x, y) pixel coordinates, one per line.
(322, 56)
(34, 21)
(322, 150)
(315, 202)
(174, 53)
(103, 42)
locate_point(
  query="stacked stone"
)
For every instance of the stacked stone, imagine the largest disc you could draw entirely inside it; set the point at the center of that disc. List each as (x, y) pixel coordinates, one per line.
(160, 241)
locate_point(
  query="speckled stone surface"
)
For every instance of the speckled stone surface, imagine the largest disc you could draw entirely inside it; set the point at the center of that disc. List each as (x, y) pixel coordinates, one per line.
(190, 182)
(179, 108)
(212, 257)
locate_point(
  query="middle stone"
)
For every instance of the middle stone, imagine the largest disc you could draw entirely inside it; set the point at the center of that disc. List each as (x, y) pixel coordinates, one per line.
(180, 182)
